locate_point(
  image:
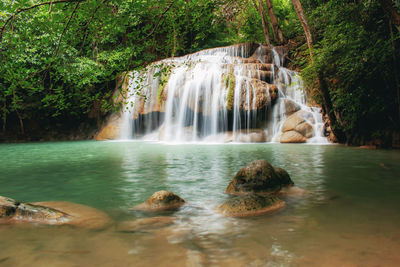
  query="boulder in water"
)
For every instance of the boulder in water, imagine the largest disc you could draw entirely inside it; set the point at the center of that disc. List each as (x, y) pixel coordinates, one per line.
(292, 137)
(305, 129)
(250, 205)
(162, 200)
(52, 213)
(257, 177)
(283, 176)
(78, 215)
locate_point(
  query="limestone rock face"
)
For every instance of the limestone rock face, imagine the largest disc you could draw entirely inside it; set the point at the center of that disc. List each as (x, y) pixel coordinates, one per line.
(250, 205)
(110, 132)
(162, 200)
(256, 177)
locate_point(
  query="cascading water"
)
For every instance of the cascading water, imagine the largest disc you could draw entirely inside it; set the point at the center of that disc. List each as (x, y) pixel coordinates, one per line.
(240, 93)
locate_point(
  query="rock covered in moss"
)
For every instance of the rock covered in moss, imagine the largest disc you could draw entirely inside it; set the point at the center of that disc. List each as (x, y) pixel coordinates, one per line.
(250, 205)
(162, 200)
(257, 177)
(283, 176)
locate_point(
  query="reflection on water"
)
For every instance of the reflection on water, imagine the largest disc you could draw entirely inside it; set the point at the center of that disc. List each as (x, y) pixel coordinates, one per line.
(349, 217)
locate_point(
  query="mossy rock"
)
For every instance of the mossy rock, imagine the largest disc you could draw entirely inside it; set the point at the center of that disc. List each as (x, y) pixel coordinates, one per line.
(162, 200)
(283, 176)
(256, 177)
(250, 205)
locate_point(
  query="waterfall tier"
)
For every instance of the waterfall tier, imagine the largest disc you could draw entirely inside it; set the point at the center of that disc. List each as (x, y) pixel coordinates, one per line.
(240, 93)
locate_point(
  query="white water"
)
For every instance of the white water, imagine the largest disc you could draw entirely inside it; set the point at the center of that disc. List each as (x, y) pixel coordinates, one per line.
(195, 104)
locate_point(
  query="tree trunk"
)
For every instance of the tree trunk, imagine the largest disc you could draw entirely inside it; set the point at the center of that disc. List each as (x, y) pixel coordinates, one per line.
(4, 115)
(278, 35)
(21, 123)
(263, 20)
(328, 107)
(300, 13)
(391, 11)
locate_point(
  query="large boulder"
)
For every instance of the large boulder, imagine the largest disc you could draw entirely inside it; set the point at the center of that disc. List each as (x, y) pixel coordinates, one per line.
(283, 176)
(250, 205)
(256, 177)
(161, 200)
(291, 107)
(292, 137)
(297, 128)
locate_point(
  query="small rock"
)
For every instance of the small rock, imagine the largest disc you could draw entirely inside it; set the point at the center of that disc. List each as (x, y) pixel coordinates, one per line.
(250, 205)
(162, 200)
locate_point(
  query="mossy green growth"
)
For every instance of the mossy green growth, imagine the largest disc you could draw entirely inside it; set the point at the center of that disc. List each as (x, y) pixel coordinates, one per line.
(229, 83)
(164, 73)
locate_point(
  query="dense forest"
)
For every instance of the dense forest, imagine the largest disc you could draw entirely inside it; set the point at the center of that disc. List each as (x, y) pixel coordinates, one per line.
(60, 59)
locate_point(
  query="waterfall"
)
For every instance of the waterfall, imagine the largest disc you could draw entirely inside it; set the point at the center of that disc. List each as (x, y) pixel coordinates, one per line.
(240, 93)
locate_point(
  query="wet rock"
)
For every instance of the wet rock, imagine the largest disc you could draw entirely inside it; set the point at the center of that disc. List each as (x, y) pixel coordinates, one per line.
(256, 177)
(305, 129)
(283, 176)
(40, 214)
(8, 207)
(162, 200)
(250, 205)
(291, 122)
(292, 137)
(52, 213)
(78, 215)
(291, 107)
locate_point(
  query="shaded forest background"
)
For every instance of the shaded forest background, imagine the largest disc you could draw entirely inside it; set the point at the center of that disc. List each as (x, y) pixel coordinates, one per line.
(60, 59)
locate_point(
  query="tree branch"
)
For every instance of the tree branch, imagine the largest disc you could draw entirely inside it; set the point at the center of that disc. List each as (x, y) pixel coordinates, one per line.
(158, 22)
(20, 10)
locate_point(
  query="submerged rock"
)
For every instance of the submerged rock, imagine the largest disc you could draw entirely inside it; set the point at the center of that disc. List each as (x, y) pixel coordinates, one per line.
(52, 213)
(250, 205)
(162, 200)
(79, 215)
(256, 177)
(8, 207)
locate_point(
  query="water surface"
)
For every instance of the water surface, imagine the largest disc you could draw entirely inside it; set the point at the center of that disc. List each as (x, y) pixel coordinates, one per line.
(351, 217)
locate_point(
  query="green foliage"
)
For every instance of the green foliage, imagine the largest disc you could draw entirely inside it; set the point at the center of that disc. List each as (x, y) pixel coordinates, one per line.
(58, 64)
(358, 59)
(229, 81)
